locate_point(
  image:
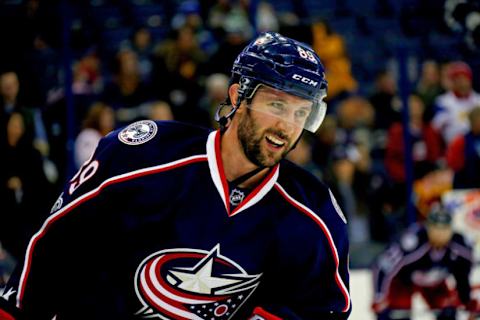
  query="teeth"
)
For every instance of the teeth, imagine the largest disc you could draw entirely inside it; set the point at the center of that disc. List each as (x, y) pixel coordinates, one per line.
(275, 140)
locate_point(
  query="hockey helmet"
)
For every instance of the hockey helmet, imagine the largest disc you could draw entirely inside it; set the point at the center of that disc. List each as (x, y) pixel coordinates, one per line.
(439, 216)
(283, 64)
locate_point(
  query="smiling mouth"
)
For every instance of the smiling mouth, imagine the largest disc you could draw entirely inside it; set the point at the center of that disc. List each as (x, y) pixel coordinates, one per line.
(274, 141)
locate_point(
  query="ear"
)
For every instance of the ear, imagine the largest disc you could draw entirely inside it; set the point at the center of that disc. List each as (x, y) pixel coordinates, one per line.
(233, 94)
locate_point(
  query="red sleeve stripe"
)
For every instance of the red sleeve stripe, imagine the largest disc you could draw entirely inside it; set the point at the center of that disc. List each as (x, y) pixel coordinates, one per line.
(302, 208)
(87, 196)
(260, 314)
(5, 316)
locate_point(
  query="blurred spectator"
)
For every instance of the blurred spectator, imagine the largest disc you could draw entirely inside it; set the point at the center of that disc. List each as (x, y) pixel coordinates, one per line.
(11, 101)
(385, 101)
(302, 155)
(189, 15)
(24, 189)
(355, 119)
(266, 18)
(160, 110)
(228, 15)
(422, 261)
(216, 86)
(425, 142)
(126, 89)
(235, 31)
(331, 47)
(453, 106)
(351, 163)
(463, 154)
(99, 121)
(324, 141)
(429, 86)
(87, 79)
(143, 47)
(177, 65)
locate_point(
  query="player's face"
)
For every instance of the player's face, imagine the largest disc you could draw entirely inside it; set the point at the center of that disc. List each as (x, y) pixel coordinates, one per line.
(271, 125)
(439, 235)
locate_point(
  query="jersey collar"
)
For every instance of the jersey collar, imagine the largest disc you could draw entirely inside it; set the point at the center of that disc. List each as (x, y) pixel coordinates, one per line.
(218, 176)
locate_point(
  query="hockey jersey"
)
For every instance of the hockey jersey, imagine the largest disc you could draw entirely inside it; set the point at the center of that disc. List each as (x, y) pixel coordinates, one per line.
(415, 262)
(149, 228)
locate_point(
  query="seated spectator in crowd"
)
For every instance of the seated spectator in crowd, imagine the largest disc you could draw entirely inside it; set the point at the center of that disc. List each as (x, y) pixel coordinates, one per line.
(99, 121)
(24, 188)
(11, 101)
(266, 17)
(451, 117)
(87, 78)
(429, 87)
(236, 32)
(126, 89)
(463, 154)
(160, 110)
(302, 155)
(349, 167)
(143, 47)
(324, 141)
(421, 261)
(425, 142)
(331, 47)
(216, 87)
(177, 65)
(189, 14)
(385, 101)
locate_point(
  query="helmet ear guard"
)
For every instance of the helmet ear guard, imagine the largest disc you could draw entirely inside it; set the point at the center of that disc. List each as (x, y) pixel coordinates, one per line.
(283, 64)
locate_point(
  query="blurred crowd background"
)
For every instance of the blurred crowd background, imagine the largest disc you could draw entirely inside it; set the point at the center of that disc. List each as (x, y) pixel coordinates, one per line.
(72, 71)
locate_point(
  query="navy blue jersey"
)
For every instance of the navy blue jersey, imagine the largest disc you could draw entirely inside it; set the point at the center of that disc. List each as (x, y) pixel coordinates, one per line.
(415, 262)
(148, 229)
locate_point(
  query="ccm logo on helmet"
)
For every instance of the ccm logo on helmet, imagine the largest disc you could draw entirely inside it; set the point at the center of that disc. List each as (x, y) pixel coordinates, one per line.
(305, 80)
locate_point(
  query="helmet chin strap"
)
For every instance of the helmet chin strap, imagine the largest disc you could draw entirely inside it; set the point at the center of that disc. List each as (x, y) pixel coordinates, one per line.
(246, 176)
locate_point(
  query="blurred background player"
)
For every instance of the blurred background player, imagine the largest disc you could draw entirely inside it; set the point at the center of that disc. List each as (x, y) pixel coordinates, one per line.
(421, 261)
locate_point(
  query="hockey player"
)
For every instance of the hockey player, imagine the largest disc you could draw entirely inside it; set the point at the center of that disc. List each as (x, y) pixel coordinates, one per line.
(171, 221)
(421, 262)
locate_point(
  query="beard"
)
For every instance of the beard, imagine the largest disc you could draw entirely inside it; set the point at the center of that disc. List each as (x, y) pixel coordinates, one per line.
(251, 139)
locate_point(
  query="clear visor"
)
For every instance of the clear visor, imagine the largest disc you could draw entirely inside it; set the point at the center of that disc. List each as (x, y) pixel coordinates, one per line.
(302, 113)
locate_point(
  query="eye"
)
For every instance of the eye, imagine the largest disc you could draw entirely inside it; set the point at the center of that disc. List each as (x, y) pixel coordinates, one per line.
(301, 114)
(277, 107)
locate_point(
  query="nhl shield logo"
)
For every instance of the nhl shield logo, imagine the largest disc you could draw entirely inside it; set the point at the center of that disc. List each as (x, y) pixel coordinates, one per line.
(236, 197)
(192, 284)
(138, 132)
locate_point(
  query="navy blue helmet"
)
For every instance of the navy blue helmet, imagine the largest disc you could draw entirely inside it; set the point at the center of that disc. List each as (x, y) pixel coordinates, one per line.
(439, 216)
(283, 64)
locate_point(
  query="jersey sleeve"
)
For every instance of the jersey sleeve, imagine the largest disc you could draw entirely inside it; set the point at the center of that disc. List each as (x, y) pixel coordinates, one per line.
(462, 257)
(35, 286)
(408, 249)
(313, 274)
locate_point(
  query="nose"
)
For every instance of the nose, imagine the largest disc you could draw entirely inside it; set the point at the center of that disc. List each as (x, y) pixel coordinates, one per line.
(286, 126)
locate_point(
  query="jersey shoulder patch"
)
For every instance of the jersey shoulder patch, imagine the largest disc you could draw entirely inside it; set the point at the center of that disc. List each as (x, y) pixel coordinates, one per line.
(138, 132)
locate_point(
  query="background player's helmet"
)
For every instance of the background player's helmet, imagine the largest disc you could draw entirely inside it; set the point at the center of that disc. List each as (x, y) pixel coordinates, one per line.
(439, 216)
(284, 64)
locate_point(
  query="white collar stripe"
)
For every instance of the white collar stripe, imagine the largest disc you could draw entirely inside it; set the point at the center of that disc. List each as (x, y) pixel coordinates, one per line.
(213, 166)
(220, 181)
(307, 211)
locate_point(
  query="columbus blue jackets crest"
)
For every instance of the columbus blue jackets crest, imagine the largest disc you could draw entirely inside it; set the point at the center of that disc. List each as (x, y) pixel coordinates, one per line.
(192, 284)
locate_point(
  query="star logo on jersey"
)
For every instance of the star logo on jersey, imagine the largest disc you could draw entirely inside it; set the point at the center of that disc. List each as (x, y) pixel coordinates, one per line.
(138, 132)
(192, 284)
